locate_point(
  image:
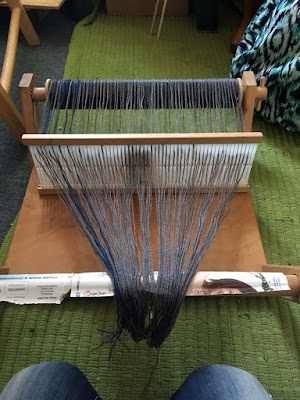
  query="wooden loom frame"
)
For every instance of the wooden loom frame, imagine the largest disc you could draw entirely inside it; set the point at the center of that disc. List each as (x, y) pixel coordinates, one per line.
(45, 216)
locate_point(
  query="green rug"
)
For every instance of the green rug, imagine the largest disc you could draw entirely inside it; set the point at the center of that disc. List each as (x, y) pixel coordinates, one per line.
(259, 335)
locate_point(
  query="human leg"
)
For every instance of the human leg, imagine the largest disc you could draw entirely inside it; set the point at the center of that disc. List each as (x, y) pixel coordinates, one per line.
(49, 381)
(221, 382)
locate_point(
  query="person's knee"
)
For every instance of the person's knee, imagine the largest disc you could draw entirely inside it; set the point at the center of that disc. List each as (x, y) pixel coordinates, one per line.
(50, 367)
(217, 381)
(46, 380)
(215, 371)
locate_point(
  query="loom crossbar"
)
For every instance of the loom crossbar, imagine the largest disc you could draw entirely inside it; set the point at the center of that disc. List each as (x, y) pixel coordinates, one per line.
(140, 139)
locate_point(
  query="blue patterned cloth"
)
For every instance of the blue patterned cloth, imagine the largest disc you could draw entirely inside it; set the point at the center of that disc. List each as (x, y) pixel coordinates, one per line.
(270, 46)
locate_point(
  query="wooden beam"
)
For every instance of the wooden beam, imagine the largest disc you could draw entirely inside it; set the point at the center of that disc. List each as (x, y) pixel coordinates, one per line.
(4, 271)
(141, 138)
(52, 192)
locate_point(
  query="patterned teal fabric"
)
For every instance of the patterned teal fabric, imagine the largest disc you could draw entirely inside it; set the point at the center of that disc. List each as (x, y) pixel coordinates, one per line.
(271, 47)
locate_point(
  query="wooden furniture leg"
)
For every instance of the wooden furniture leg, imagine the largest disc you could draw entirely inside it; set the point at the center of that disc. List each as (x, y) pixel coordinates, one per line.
(25, 24)
(19, 20)
(154, 16)
(10, 115)
(161, 17)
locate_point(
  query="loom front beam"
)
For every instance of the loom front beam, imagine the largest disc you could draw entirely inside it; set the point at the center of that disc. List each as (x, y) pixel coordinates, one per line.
(47, 240)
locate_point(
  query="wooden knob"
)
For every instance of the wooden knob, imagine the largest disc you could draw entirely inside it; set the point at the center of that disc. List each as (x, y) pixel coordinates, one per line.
(40, 94)
(261, 93)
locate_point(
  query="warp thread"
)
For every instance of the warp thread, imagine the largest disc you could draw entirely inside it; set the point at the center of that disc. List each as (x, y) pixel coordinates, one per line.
(115, 193)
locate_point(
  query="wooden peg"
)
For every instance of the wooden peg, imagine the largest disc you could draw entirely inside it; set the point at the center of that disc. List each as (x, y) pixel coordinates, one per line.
(40, 94)
(261, 93)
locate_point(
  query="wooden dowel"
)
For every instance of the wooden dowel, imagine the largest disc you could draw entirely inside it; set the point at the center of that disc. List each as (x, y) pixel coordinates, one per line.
(52, 192)
(40, 93)
(11, 49)
(241, 89)
(162, 18)
(293, 282)
(141, 138)
(196, 286)
(154, 16)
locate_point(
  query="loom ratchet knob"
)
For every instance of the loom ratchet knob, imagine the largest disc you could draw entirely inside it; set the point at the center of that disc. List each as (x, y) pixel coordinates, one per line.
(261, 92)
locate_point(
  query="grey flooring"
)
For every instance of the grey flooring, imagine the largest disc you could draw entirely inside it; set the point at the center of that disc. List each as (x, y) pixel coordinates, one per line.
(45, 61)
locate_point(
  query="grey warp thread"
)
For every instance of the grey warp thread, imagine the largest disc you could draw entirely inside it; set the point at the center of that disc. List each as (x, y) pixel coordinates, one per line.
(113, 194)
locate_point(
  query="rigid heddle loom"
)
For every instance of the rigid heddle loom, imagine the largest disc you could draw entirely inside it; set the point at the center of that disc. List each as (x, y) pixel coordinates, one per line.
(148, 170)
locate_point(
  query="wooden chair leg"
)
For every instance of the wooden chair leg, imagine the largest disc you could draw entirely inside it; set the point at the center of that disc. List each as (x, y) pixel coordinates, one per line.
(10, 115)
(19, 20)
(25, 24)
(11, 49)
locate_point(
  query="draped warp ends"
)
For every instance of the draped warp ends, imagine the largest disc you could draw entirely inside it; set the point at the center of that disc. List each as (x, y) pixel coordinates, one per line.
(146, 208)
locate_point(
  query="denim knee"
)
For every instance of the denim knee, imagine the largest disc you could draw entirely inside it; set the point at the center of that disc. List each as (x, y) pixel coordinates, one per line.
(215, 371)
(221, 382)
(49, 381)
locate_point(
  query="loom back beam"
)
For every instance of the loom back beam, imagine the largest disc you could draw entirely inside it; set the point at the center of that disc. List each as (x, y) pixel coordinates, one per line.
(249, 94)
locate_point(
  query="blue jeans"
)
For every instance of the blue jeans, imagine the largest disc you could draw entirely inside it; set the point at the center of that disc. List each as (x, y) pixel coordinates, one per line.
(63, 381)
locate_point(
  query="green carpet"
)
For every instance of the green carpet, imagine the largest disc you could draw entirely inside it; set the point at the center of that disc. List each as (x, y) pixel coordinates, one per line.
(259, 335)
